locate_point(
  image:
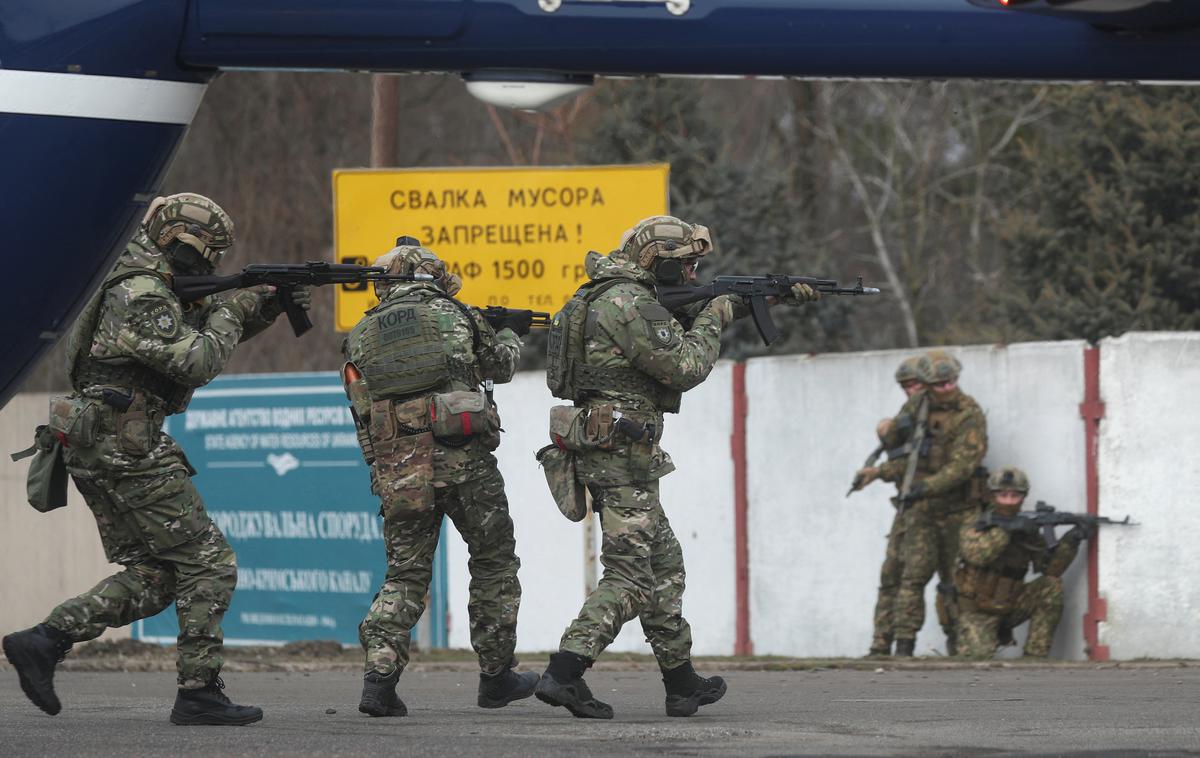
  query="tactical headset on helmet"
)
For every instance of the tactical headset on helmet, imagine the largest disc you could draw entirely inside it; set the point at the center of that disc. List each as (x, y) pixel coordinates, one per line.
(187, 222)
(661, 244)
(411, 258)
(907, 371)
(938, 366)
(1008, 478)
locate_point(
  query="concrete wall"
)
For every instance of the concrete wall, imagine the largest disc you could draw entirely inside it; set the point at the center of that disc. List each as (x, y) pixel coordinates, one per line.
(1150, 469)
(814, 554)
(45, 558)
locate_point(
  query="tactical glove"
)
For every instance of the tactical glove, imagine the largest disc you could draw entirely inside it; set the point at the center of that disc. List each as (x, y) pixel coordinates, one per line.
(249, 302)
(521, 322)
(729, 308)
(273, 306)
(801, 294)
(1076, 534)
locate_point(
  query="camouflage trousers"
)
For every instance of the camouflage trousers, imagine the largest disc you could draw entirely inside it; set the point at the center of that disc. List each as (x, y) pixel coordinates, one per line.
(478, 508)
(1040, 603)
(929, 545)
(643, 578)
(156, 526)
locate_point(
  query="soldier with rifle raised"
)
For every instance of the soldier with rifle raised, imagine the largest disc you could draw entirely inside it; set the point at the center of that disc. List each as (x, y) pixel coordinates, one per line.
(889, 573)
(996, 552)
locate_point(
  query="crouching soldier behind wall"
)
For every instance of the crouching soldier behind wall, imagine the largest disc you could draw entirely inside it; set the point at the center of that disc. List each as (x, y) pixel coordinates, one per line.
(625, 360)
(416, 367)
(993, 596)
(134, 356)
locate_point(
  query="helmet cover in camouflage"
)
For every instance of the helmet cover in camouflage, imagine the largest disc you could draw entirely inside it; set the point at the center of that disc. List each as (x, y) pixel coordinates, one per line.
(415, 259)
(664, 237)
(907, 370)
(193, 220)
(938, 366)
(1008, 478)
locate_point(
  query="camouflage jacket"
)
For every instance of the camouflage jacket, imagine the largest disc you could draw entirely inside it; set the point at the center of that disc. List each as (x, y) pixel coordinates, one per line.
(627, 328)
(1011, 554)
(138, 321)
(956, 444)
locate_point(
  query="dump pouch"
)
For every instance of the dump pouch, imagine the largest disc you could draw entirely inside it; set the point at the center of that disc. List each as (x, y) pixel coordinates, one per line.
(559, 467)
(46, 482)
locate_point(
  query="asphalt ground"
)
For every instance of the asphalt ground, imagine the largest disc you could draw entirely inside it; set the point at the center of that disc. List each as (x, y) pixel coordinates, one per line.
(964, 711)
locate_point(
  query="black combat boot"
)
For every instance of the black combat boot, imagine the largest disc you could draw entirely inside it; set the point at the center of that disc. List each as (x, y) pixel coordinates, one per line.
(34, 653)
(687, 690)
(563, 684)
(881, 647)
(498, 690)
(208, 705)
(952, 644)
(905, 648)
(379, 695)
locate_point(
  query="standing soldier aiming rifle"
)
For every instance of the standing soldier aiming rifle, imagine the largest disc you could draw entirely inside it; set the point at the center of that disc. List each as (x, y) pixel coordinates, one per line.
(419, 372)
(624, 360)
(944, 434)
(135, 355)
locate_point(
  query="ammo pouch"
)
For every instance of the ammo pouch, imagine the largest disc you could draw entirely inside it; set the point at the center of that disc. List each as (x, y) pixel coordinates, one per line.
(600, 427)
(75, 420)
(46, 483)
(569, 495)
(455, 418)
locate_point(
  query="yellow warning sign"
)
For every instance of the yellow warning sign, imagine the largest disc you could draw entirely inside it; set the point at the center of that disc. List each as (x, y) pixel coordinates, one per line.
(516, 236)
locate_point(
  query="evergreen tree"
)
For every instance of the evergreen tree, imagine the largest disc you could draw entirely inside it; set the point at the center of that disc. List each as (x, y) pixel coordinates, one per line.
(1107, 238)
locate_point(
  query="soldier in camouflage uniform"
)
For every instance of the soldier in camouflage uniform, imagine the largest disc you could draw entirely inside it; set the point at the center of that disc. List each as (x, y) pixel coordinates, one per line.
(889, 573)
(993, 597)
(417, 365)
(941, 498)
(625, 360)
(135, 355)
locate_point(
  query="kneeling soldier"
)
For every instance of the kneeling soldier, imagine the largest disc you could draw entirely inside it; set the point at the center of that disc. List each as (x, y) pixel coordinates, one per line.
(416, 367)
(993, 596)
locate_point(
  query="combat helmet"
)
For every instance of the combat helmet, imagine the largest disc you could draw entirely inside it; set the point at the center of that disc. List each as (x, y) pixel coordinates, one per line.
(1008, 478)
(656, 240)
(410, 257)
(938, 366)
(907, 371)
(203, 228)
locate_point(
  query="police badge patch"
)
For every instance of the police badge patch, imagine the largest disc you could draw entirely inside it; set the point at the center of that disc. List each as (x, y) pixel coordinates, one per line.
(658, 324)
(163, 322)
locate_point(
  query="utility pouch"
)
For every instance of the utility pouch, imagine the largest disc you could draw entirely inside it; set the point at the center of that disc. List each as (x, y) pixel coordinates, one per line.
(46, 482)
(136, 429)
(457, 417)
(582, 429)
(558, 465)
(75, 420)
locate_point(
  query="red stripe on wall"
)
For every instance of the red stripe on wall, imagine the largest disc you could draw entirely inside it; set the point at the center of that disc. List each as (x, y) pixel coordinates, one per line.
(742, 644)
(1092, 411)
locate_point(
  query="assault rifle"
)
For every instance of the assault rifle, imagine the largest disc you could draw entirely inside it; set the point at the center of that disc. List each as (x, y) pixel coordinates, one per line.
(858, 479)
(520, 321)
(1045, 518)
(285, 278)
(754, 290)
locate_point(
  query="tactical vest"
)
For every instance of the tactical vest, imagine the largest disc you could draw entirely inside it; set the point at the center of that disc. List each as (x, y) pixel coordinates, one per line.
(398, 348)
(567, 374)
(995, 588)
(84, 371)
